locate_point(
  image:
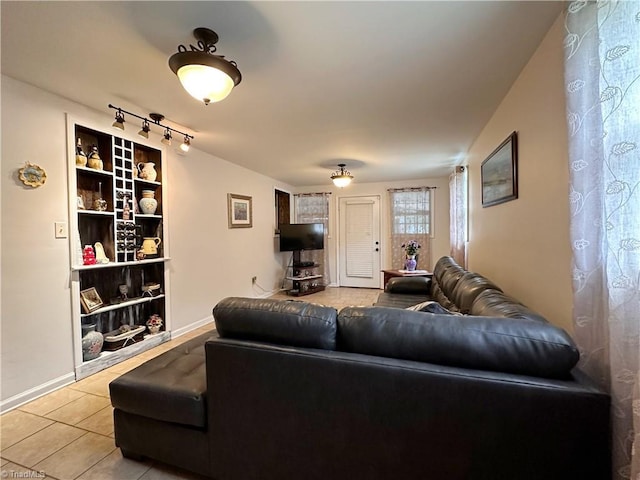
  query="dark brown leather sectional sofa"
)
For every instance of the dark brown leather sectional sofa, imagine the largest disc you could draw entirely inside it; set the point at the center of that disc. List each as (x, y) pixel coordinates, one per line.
(292, 390)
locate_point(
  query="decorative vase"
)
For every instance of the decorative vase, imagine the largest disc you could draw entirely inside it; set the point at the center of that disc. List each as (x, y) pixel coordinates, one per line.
(81, 158)
(88, 255)
(91, 342)
(94, 160)
(148, 202)
(154, 330)
(147, 171)
(410, 263)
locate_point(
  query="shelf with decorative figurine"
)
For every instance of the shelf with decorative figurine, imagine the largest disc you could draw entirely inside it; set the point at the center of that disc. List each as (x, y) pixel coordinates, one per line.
(119, 267)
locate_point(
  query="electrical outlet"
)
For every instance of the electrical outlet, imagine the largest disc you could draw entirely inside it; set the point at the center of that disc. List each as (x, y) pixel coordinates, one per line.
(254, 279)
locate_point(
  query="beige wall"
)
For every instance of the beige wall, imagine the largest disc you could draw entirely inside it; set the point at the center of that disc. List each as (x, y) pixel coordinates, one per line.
(523, 245)
(208, 260)
(440, 207)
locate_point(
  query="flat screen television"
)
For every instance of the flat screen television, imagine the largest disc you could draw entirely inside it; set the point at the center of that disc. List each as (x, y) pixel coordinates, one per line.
(301, 236)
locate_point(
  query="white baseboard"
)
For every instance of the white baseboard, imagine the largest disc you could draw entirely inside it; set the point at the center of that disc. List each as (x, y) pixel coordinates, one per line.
(70, 378)
(36, 392)
(192, 326)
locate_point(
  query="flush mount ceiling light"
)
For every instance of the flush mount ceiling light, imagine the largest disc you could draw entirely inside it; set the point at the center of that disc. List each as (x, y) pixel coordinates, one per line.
(156, 119)
(205, 76)
(341, 178)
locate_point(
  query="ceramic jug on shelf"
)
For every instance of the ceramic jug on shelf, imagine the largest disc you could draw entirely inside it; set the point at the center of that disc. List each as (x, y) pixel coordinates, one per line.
(94, 160)
(147, 171)
(150, 245)
(81, 158)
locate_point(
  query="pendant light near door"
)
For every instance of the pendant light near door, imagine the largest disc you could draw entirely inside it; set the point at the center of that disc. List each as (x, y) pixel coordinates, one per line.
(341, 178)
(205, 76)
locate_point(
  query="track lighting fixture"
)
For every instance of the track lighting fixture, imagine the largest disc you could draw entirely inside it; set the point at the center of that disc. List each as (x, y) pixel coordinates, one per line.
(156, 119)
(205, 76)
(119, 123)
(341, 178)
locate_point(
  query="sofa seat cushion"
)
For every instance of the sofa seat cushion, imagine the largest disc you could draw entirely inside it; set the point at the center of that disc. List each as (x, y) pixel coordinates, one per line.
(170, 387)
(523, 347)
(396, 300)
(431, 307)
(284, 322)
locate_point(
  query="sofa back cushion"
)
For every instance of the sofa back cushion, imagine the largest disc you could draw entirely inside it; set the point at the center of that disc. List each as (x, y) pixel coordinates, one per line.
(495, 303)
(468, 287)
(284, 322)
(445, 277)
(483, 343)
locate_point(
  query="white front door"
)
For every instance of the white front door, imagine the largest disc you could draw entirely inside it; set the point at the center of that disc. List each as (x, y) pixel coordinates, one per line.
(359, 242)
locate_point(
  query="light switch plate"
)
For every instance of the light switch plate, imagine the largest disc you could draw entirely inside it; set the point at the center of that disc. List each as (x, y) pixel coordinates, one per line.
(62, 230)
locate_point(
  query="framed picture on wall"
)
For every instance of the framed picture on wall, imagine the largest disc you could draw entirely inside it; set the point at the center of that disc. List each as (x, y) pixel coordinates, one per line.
(500, 173)
(240, 211)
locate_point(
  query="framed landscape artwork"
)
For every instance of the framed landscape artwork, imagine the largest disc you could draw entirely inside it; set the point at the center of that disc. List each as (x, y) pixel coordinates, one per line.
(240, 211)
(500, 173)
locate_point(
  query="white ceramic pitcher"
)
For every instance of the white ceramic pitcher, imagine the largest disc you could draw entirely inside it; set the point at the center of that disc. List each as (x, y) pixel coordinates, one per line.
(147, 171)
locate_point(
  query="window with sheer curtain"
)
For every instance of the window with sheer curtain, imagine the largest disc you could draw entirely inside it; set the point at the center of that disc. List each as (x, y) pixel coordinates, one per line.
(458, 206)
(410, 219)
(314, 208)
(602, 86)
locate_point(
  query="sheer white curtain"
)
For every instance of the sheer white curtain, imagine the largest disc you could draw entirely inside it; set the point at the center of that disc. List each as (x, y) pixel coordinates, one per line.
(314, 208)
(602, 80)
(410, 219)
(458, 185)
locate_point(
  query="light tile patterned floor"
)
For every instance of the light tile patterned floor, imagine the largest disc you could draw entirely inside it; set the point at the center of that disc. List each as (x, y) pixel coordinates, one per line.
(68, 434)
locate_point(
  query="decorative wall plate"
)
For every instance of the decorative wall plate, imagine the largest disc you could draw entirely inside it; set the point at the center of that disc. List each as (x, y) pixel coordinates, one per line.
(32, 175)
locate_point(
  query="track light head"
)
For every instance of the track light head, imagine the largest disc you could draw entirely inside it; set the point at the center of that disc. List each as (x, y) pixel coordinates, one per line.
(185, 144)
(144, 131)
(167, 137)
(119, 123)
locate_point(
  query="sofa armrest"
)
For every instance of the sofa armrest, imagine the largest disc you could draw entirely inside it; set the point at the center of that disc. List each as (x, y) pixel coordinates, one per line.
(409, 285)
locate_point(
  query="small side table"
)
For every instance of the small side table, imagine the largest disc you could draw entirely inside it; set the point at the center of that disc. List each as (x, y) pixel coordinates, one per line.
(389, 274)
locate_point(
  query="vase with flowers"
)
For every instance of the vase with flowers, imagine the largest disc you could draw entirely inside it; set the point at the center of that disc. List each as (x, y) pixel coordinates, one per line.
(411, 250)
(154, 323)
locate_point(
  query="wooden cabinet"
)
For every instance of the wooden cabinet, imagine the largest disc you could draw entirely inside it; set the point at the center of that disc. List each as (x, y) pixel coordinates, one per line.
(127, 284)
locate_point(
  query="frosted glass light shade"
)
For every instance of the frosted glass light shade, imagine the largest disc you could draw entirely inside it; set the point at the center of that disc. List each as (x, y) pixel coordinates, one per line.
(205, 83)
(342, 177)
(342, 181)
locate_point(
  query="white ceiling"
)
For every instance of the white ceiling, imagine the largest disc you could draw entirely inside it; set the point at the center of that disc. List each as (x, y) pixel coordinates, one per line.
(396, 90)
